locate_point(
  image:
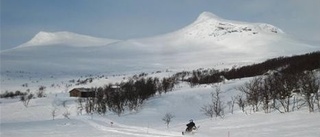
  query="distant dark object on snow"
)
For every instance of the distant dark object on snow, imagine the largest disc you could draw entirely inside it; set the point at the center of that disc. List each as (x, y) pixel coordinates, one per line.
(82, 92)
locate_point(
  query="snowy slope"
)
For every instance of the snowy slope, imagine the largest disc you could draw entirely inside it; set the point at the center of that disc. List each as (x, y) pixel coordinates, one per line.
(209, 31)
(65, 38)
(183, 102)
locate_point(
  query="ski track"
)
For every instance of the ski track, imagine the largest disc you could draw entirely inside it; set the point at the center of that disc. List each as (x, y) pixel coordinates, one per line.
(132, 131)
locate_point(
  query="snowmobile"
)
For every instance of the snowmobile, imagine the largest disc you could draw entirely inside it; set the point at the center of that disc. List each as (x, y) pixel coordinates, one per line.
(191, 131)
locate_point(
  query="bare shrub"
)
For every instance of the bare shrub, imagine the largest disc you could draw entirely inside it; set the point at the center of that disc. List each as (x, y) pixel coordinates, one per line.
(26, 99)
(216, 106)
(168, 118)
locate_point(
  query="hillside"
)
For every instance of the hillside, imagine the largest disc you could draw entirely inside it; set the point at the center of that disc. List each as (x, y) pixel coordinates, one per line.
(286, 65)
(184, 103)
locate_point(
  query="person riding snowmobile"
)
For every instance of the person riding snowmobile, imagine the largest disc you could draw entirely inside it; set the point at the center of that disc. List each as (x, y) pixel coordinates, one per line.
(190, 126)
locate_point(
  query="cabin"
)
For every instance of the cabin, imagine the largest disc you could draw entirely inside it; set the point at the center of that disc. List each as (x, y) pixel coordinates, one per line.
(82, 92)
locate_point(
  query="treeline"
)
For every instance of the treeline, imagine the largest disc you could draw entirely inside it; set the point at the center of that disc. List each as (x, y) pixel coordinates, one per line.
(11, 94)
(128, 95)
(283, 92)
(287, 71)
(25, 97)
(288, 65)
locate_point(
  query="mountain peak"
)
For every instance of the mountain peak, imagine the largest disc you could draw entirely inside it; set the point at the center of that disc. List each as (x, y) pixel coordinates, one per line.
(48, 37)
(208, 15)
(209, 26)
(65, 38)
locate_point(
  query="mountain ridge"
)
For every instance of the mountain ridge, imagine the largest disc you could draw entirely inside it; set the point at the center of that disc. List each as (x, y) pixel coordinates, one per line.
(214, 26)
(67, 38)
(206, 26)
(210, 41)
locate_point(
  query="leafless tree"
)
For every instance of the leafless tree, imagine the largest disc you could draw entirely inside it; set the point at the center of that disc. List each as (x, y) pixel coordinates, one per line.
(168, 118)
(252, 92)
(80, 106)
(216, 106)
(208, 110)
(41, 92)
(54, 112)
(231, 104)
(310, 87)
(66, 114)
(241, 102)
(26, 99)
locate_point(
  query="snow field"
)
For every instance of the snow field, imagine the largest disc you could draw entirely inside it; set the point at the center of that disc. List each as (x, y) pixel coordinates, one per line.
(184, 103)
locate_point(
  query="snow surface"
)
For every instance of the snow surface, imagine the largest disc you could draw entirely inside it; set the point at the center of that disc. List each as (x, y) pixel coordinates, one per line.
(184, 103)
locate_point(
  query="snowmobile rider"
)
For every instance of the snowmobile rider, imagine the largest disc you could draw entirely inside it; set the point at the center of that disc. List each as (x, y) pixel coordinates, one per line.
(190, 126)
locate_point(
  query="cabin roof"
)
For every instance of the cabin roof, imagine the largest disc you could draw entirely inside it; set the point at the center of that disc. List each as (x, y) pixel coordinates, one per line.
(82, 89)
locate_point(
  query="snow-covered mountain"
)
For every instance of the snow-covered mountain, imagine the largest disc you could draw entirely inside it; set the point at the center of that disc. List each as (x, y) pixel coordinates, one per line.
(209, 41)
(66, 38)
(212, 28)
(213, 32)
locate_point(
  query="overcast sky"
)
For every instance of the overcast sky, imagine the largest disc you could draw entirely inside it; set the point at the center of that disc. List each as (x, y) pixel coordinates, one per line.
(125, 19)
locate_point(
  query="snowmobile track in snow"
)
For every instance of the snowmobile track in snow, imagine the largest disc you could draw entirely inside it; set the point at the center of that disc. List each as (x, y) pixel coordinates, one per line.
(132, 131)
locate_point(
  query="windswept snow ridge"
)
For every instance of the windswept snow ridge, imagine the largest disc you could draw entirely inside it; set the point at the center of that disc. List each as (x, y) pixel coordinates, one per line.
(211, 26)
(66, 38)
